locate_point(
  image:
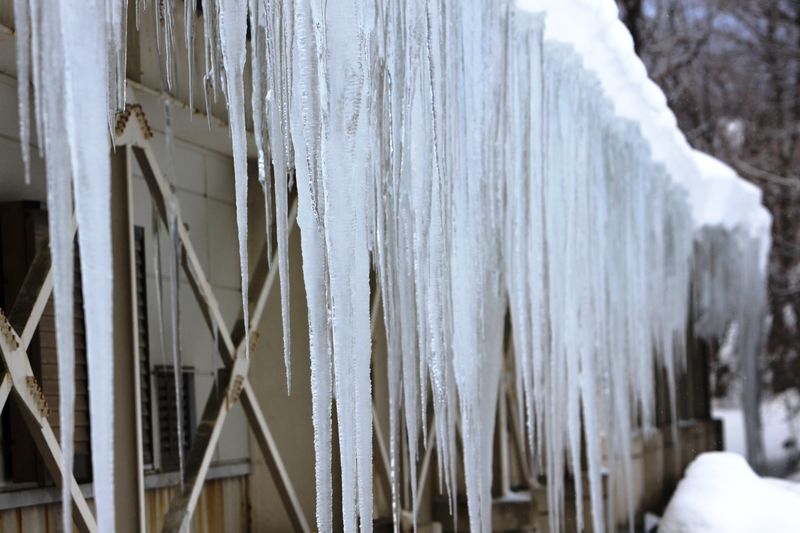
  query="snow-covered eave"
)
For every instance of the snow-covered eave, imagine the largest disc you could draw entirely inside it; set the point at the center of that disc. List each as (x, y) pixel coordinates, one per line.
(722, 199)
(729, 224)
(716, 194)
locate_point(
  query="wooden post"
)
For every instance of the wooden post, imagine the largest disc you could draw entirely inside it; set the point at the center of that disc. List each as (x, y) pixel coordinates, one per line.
(501, 430)
(382, 455)
(128, 480)
(426, 463)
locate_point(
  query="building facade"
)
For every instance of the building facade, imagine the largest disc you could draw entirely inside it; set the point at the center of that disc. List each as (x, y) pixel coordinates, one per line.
(254, 469)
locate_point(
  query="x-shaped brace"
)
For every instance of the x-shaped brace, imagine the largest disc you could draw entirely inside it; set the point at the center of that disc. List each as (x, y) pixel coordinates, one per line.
(230, 346)
(19, 379)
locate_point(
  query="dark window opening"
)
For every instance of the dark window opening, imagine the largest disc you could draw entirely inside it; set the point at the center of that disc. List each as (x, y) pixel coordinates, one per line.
(144, 347)
(23, 233)
(167, 414)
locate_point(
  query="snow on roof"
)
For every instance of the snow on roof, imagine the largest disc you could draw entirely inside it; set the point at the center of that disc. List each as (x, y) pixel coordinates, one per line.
(717, 195)
(720, 197)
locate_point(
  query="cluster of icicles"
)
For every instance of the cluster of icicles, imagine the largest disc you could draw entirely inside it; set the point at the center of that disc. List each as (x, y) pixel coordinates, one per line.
(724, 283)
(480, 171)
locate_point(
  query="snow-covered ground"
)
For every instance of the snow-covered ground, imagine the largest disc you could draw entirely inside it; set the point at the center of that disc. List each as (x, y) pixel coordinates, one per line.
(721, 494)
(780, 416)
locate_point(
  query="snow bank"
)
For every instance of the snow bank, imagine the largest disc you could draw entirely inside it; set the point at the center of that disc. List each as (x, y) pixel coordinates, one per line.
(719, 493)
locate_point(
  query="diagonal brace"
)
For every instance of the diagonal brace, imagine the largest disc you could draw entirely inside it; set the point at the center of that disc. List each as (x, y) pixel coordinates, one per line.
(217, 406)
(19, 378)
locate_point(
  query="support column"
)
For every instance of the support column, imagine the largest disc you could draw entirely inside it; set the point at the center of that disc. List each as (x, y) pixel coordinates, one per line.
(128, 480)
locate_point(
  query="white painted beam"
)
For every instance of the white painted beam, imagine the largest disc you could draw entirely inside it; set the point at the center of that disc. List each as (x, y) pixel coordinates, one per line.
(5, 389)
(35, 411)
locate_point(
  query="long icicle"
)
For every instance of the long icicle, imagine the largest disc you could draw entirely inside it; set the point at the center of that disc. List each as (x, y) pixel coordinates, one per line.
(86, 53)
(175, 252)
(232, 29)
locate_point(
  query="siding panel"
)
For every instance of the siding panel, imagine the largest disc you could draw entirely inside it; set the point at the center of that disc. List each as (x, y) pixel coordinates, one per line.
(221, 508)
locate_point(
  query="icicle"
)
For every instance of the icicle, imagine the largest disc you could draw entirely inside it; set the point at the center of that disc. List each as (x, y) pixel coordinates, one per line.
(170, 59)
(275, 25)
(282, 216)
(210, 50)
(22, 23)
(492, 160)
(159, 285)
(306, 131)
(37, 20)
(258, 101)
(169, 145)
(164, 18)
(116, 28)
(59, 204)
(69, 48)
(189, 38)
(174, 279)
(321, 368)
(232, 30)
(177, 364)
(86, 97)
(344, 188)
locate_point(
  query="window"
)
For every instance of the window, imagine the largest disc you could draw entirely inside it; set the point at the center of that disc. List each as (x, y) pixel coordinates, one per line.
(144, 347)
(23, 233)
(167, 414)
(159, 411)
